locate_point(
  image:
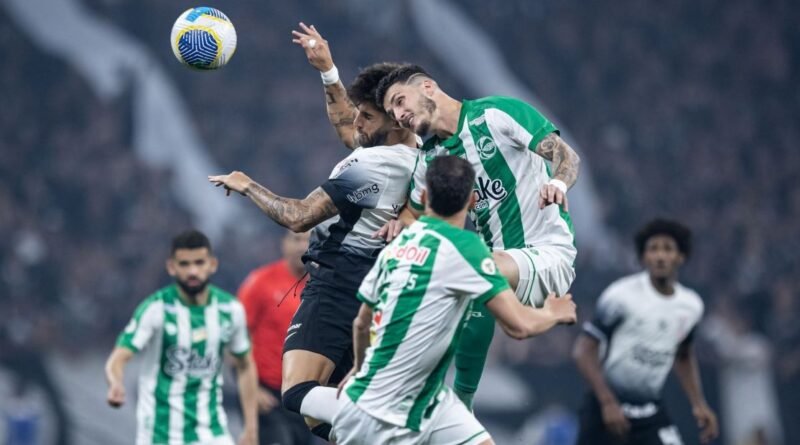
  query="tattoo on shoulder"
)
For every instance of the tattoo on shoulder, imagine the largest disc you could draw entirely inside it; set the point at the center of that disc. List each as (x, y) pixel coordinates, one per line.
(548, 145)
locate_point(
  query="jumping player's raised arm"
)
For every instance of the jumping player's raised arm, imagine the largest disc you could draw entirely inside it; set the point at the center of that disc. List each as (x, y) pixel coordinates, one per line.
(341, 110)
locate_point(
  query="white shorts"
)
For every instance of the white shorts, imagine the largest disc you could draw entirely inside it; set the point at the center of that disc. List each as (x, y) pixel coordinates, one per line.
(451, 424)
(543, 270)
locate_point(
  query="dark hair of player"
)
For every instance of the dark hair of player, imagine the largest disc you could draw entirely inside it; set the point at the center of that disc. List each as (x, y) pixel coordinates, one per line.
(401, 74)
(449, 181)
(680, 233)
(190, 239)
(362, 90)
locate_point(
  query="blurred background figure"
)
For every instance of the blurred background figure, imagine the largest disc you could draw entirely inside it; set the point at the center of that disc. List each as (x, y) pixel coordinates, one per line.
(689, 109)
(749, 402)
(271, 295)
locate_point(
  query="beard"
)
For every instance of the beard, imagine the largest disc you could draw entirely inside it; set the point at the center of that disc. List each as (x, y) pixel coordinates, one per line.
(192, 290)
(423, 127)
(377, 138)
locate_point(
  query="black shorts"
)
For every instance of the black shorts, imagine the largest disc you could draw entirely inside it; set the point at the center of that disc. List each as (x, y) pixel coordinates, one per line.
(323, 324)
(656, 429)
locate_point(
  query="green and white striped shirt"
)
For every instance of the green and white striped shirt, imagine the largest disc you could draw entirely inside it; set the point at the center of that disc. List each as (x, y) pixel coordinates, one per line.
(498, 136)
(422, 285)
(180, 384)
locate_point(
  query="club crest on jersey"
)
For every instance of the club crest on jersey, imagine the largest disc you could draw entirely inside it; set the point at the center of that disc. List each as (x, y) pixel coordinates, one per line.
(486, 147)
(488, 267)
(415, 255)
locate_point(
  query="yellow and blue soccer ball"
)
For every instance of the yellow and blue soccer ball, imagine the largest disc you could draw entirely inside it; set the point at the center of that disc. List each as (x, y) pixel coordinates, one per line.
(203, 38)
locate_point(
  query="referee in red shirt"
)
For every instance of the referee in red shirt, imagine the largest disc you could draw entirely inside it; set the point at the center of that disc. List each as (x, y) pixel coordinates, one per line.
(270, 295)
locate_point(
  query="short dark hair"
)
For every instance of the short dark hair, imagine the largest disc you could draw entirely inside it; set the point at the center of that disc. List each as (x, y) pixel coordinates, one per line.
(449, 183)
(190, 239)
(675, 230)
(363, 87)
(401, 74)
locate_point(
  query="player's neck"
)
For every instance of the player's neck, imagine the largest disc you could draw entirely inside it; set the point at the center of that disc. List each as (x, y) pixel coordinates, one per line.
(199, 299)
(664, 285)
(404, 137)
(449, 114)
(458, 220)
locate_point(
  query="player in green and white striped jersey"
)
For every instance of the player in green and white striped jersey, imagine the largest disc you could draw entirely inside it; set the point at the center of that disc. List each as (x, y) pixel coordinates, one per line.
(507, 142)
(182, 331)
(423, 285)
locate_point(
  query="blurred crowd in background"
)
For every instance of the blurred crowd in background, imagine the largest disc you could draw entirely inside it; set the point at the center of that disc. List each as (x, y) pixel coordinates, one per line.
(686, 109)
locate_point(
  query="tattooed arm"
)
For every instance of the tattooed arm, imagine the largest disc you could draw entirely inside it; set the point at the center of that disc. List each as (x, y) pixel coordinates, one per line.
(566, 164)
(299, 215)
(341, 111)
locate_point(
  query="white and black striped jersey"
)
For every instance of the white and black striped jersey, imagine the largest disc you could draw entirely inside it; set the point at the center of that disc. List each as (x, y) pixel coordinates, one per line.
(369, 188)
(641, 330)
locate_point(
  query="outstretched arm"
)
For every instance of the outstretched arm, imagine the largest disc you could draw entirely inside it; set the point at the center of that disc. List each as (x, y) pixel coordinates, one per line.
(566, 166)
(685, 368)
(298, 215)
(341, 111)
(521, 322)
(247, 382)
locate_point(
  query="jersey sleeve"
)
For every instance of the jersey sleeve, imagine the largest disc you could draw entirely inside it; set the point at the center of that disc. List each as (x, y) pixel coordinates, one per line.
(521, 123)
(240, 338)
(417, 184)
(609, 314)
(368, 291)
(357, 182)
(148, 318)
(479, 277)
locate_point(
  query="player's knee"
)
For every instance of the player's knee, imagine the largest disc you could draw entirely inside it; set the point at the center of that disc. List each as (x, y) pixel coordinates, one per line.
(292, 398)
(507, 267)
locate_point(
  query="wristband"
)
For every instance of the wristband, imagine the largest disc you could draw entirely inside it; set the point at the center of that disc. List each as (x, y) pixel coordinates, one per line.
(330, 77)
(559, 184)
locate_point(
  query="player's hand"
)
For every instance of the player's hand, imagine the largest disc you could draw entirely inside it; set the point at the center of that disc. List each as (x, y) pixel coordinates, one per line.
(249, 437)
(317, 50)
(550, 194)
(116, 395)
(235, 181)
(562, 308)
(707, 422)
(614, 419)
(266, 401)
(390, 230)
(344, 382)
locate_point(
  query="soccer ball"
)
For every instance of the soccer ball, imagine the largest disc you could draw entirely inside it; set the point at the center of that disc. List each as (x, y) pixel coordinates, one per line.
(203, 38)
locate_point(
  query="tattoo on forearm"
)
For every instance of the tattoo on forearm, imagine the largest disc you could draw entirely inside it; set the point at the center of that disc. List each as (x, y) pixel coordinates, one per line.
(341, 111)
(298, 215)
(566, 162)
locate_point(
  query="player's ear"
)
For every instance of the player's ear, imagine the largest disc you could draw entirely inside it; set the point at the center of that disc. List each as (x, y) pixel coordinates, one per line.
(472, 201)
(213, 263)
(424, 198)
(429, 87)
(171, 267)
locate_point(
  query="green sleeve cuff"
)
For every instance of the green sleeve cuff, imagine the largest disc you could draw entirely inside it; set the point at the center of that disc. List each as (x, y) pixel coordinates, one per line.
(541, 134)
(362, 298)
(415, 205)
(493, 292)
